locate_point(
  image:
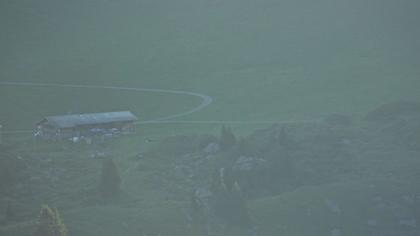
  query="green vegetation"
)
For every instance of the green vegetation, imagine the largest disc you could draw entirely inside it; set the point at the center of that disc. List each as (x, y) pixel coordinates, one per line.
(227, 138)
(296, 179)
(110, 179)
(352, 169)
(9, 214)
(50, 223)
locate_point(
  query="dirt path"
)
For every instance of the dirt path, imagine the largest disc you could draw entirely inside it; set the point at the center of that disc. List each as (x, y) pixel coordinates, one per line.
(205, 99)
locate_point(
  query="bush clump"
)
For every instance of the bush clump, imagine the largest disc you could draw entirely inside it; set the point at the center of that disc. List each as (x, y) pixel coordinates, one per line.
(110, 179)
(50, 223)
(10, 169)
(227, 138)
(9, 214)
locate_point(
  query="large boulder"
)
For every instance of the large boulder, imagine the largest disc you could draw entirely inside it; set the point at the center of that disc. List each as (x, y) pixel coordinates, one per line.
(394, 110)
(252, 174)
(247, 164)
(338, 119)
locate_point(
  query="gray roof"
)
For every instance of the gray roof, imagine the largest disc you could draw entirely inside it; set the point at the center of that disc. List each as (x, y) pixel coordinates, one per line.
(74, 120)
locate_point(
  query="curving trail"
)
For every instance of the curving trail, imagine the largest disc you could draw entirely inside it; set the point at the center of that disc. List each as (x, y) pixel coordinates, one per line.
(205, 99)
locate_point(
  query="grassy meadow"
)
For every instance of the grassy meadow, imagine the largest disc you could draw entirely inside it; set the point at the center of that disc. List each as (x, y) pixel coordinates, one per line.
(260, 61)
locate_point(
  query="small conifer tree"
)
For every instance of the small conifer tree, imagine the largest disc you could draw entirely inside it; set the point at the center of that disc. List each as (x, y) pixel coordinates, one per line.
(110, 179)
(10, 214)
(227, 138)
(50, 223)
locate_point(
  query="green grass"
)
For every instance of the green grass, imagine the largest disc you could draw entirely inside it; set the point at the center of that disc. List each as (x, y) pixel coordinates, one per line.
(306, 212)
(260, 94)
(260, 61)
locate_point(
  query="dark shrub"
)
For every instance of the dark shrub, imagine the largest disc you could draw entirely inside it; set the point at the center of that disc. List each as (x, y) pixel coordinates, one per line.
(10, 168)
(110, 179)
(227, 138)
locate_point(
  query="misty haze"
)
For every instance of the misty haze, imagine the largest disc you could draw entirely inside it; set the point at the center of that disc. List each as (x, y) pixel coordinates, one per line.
(209, 118)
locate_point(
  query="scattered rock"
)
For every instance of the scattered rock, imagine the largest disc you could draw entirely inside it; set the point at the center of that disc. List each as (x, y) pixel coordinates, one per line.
(211, 148)
(408, 222)
(337, 119)
(335, 232)
(209, 157)
(372, 222)
(333, 206)
(408, 199)
(249, 163)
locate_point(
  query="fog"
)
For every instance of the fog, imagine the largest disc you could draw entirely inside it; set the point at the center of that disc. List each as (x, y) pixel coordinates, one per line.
(264, 117)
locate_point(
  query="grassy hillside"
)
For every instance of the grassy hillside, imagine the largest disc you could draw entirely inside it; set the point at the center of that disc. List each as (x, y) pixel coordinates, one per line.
(260, 61)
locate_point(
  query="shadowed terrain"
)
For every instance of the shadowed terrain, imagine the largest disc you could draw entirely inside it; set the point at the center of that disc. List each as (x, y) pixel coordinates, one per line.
(319, 102)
